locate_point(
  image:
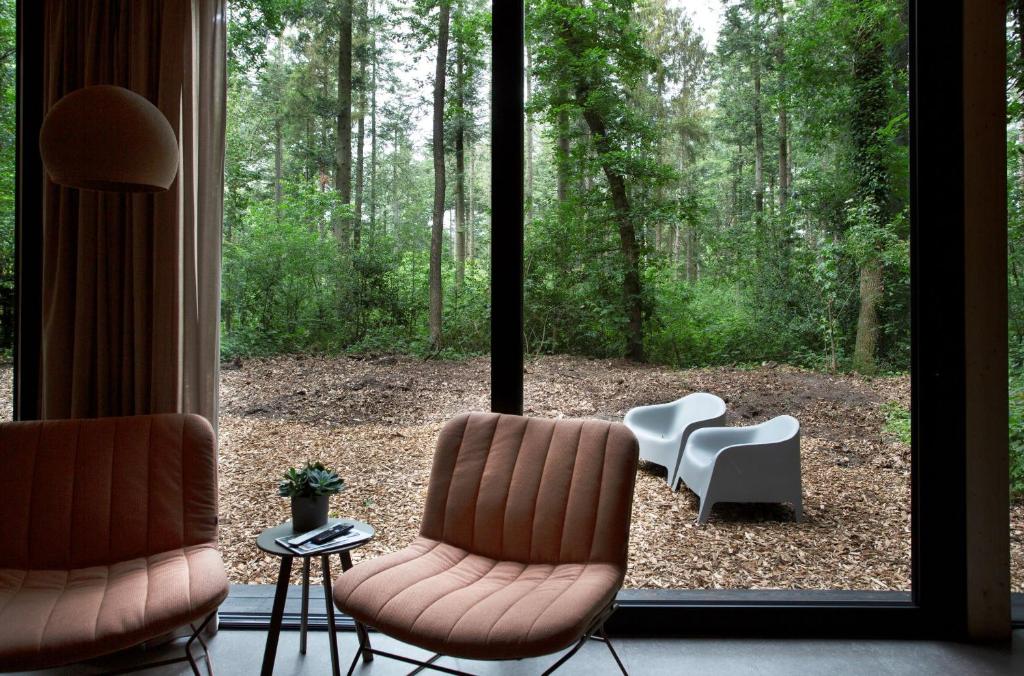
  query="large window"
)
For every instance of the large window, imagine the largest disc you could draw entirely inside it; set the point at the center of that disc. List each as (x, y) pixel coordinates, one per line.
(356, 255)
(717, 201)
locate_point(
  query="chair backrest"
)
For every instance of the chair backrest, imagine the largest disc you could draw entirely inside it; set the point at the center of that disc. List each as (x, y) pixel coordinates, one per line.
(778, 429)
(533, 490)
(698, 406)
(77, 493)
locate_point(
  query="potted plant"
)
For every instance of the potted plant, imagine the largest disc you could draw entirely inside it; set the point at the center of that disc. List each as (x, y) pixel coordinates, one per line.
(310, 489)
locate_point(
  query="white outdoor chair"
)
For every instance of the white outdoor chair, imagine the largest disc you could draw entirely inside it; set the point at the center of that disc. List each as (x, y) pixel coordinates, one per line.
(662, 429)
(760, 463)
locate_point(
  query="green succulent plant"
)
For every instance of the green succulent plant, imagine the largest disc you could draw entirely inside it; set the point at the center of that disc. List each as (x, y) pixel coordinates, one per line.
(309, 482)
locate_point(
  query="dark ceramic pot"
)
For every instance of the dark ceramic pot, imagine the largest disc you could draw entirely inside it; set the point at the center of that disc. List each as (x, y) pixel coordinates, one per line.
(309, 513)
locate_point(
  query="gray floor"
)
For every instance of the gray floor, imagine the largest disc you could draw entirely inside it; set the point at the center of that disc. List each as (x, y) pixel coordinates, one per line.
(239, 653)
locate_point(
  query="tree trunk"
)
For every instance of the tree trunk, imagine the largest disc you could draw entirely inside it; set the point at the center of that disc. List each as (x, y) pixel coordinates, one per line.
(357, 220)
(373, 130)
(357, 227)
(675, 250)
(870, 93)
(627, 233)
(396, 204)
(437, 229)
(309, 166)
(691, 254)
(785, 171)
(471, 211)
(529, 135)
(867, 317)
(563, 153)
(278, 168)
(758, 151)
(343, 146)
(785, 179)
(460, 172)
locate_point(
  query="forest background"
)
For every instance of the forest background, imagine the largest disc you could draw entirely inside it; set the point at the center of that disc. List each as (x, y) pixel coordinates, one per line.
(687, 203)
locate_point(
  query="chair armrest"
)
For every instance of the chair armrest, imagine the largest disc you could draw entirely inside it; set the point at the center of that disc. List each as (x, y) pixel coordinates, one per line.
(652, 417)
(719, 438)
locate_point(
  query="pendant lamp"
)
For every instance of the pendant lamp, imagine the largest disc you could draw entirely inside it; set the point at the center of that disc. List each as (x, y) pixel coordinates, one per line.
(105, 137)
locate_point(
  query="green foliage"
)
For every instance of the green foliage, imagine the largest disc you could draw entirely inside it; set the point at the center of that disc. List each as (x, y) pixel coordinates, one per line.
(709, 323)
(897, 421)
(1016, 392)
(311, 481)
(720, 281)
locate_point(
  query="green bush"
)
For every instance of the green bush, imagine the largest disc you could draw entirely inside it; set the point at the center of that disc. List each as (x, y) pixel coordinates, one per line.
(706, 323)
(1016, 433)
(897, 421)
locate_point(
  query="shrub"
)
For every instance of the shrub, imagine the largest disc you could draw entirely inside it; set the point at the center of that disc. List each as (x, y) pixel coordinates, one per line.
(1016, 433)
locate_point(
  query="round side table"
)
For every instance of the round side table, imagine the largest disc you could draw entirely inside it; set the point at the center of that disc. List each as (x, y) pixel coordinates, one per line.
(266, 542)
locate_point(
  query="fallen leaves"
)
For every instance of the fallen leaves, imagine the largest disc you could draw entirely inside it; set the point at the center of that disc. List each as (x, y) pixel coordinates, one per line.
(375, 421)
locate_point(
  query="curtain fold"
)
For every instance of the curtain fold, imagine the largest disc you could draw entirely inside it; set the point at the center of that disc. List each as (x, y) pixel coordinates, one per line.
(131, 282)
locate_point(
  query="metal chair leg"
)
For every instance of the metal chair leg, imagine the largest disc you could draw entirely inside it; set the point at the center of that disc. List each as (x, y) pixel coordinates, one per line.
(304, 619)
(595, 632)
(608, 642)
(198, 634)
(187, 657)
(566, 657)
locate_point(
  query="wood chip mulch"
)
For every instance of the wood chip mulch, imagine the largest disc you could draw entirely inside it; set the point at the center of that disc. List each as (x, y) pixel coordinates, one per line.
(376, 419)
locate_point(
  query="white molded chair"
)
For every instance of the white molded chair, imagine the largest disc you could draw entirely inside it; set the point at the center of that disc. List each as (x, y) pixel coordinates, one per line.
(662, 429)
(760, 463)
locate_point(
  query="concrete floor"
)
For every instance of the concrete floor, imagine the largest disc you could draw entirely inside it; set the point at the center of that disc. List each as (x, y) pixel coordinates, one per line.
(240, 653)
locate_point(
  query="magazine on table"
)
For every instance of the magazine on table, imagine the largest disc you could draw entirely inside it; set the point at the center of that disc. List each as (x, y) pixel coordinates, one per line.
(303, 542)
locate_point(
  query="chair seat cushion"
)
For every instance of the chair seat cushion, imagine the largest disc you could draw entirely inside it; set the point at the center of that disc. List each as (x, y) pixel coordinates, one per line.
(50, 618)
(445, 599)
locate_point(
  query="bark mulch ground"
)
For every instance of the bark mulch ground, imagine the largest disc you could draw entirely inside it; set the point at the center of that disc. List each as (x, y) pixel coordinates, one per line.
(375, 420)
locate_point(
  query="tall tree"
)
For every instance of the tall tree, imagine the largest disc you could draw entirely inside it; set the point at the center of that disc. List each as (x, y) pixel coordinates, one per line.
(529, 134)
(374, 60)
(871, 98)
(595, 53)
(343, 138)
(757, 104)
(362, 54)
(437, 144)
(460, 166)
(785, 170)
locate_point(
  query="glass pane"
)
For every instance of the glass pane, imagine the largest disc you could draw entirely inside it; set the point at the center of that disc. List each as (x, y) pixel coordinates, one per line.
(718, 203)
(334, 348)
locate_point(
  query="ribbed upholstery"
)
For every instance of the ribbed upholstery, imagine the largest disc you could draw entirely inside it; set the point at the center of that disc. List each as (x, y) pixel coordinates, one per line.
(109, 538)
(523, 540)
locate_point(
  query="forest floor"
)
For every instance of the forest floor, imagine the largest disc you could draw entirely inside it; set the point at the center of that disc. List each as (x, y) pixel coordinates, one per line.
(376, 419)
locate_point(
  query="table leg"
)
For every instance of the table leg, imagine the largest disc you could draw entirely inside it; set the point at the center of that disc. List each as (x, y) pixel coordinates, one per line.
(361, 633)
(325, 562)
(305, 606)
(270, 652)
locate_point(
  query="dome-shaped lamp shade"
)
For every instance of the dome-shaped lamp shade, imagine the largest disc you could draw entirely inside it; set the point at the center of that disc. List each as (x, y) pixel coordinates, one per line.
(108, 138)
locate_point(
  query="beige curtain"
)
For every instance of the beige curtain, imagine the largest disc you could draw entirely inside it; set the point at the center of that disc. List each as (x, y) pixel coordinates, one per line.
(131, 283)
